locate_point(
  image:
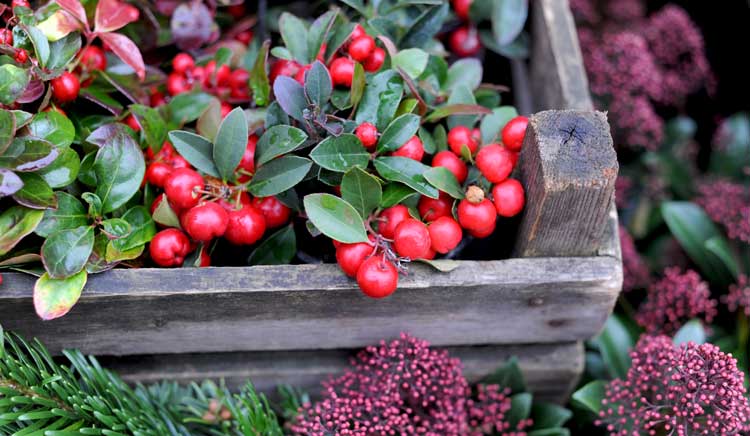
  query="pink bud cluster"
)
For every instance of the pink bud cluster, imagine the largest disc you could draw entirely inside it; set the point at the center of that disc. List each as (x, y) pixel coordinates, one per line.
(676, 390)
(674, 300)
(405, 388)
(634, 269)
(738, 297)
(728, 204)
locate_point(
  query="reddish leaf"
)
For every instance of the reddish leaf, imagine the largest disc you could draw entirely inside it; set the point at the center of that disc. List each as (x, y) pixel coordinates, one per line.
(126, 50)
(33, 91)
(114, 14)
(54, 298)
(59, 25)
(75, 8)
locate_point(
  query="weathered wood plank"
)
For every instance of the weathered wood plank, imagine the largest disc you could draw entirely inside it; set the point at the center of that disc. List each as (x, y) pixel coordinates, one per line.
(295, 307)
(551, 370)
(568, 167)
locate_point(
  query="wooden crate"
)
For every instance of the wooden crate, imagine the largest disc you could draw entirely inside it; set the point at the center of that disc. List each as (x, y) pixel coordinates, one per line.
(298, 323)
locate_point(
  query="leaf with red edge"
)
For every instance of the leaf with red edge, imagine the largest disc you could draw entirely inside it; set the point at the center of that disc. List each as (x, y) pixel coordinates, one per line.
(126, 50)
(59, 25)
(75, 8)
(54, 298)
(114, 14)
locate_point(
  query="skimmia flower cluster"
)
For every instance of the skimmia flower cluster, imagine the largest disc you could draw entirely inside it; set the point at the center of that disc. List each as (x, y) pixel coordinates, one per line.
(728, 204)
(676, 390)
(738, 297)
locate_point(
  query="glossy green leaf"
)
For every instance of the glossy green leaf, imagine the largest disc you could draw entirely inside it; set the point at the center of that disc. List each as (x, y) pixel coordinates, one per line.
(153, 126)
(113, 255)
(142, 228)
(361, 190)
(63, 51)
(188, 107)
(69, 214)
(509, 375)
(381, 99)
(444, 180)
(518, 49)
(508, 19)
(359, 81)
(230, 143)
(290, 95)
(294, 34)
(29, 154)
(10, 183)
(7, 129)
(259, 83)
(466, 71)
(318, 32)
(279, 175)
(335, 218)
(86, 173)
(195, 149)
(41, 44)
(15, 223)
(63, 171)
(590, 396)
(549, 416)
(425, 27)
(318, 85)
(340, 153)
(36, 193)
(94, 202)
(65, 252)
(462, 95)
(719, 246)
(54, 298)
(412, 60)
(53, 127)
(276, 141)
(396, 193)
(492, 125)
(692, 331)
(165, 215)
(119, 167)
(406, 171)
(456, 109)
(13, 82)
(520, 408)
(278, 249)
(614, 343)
(398, 132)
(115, 228)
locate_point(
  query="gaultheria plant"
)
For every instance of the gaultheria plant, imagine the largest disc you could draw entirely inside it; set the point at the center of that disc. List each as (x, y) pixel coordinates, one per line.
(676, 390)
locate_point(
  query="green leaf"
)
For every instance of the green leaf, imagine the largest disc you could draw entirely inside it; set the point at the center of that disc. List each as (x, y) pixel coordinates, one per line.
(41, 45)
(279, 175)
(29, 154)
(407, 171)
(276, 141)
(86, 173)
(13, 82)
(335, 218)
(550, 432)
(54, 298)
(693, 229)
(518, 49)
(259, 83)
(442, 265)
(318, 32)
(549, 416)
(398, 132)
(152, 124)
(116, 228)
(428, 142)
(614, 343)
(520, 408)
(7, 129)
(53, 127)
(492, 125)
(65, 252)
(142, 228)
(381, 99)
(462, 95)
(361, 190)
(340, 34)
(396, 193)
(445, 181)
(69, 214)
(165, 215)
(425, 27)
(113, 255)
(692, 331)
(294, 34)
(590, 396)
(508, 19)
(35, 193)
(275, 115)
(340, 153)
(412, 60)
(456, 109)
(230, 143)
(195, 149)
(10, 183)
(318, 85)
(359, 80)
(466, 71)
(719, 246)
(278, 249)
(95, 204)
(188, 107)
(291, 97)
(509, 375)
(119, 167)
(15, 223)
(63, 51)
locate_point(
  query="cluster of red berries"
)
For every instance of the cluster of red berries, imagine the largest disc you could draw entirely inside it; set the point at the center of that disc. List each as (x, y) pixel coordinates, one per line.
(376, 263)
(464, 41)
(20, 55)
(360, 47)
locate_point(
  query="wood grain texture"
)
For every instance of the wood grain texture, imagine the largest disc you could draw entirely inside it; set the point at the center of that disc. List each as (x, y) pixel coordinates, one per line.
(550, 371)
(557, 74)
(568, 167)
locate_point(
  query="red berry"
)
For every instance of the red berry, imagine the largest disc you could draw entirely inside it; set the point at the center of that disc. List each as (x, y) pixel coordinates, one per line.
(205, 258)
(182, 63)
(431, 209)
(157, 99)
(182, 188)
(482, 233)
(377, 278)
(158, 173)
(461, 7)
(239, 79)
(430, 254)
(495, 162)
(413, 149)
(283, 67)
(514, 132)
(197, 74)
(223, 76)
(300, 76)
(169, 247)
(21, 56)
(178, 161)
(65, 88)
(245, 37)
(464, 41)
(351, 256)
(412, 239)
(237, 12)
(275, 212)
(453, 163)
(248, 159)
(390, 219)
(477, 135)
(476, 216)
(225, 108)
(342, 72)
(206, 221)
(132, 123)
(6, 37)
(246, 226)
(20, 3)
(177, 84)
(375, 60)
(361, 48)
(93, 58)
(368, 134)
(358, 31)
(445, 234)
(508, 197)
(460, 137)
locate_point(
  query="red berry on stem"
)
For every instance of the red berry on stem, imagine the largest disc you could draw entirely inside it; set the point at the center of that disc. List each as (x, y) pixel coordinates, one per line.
(182, 188)
(21, 56)
(206, 221)
(6, 37)
(495, 162)
(461, 7)
(178, 161)
(412, 239)
(169, 247)
(390, 218)
(65, 88)
(358, 31)
(361, 48)
(225, 108)
(368, 134)
(158, 173)
(431, 209)
(205, 258)
(476, 212)
(508, 197)
(342, 72)
(453, 163)
(246, 226)
(20, 3)
(350, 256)
(245, 37)
(157, 99)
(283, 67)
(223, 76)
(445, 234)
(239, 79)
(276, 213)
(132, 123)
(514, 132)
(248, 159)
(464, 41)
(412, 149)
(374, 61)
(177, 84)
(377, 278)
(460, 137)
(93, 58)
(182, 63)
(300, 76)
